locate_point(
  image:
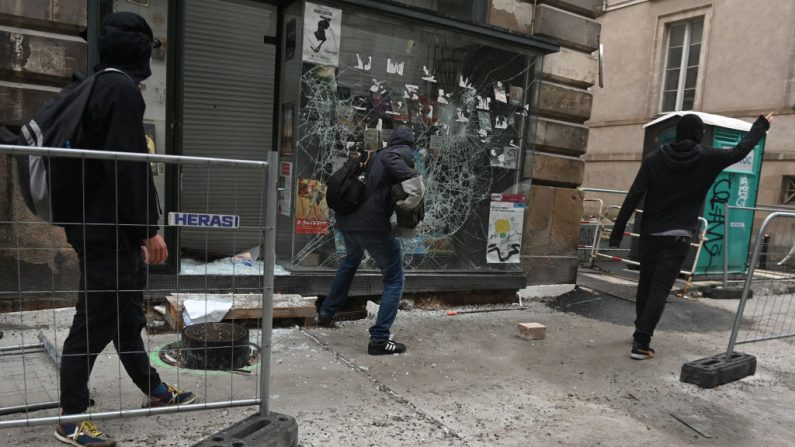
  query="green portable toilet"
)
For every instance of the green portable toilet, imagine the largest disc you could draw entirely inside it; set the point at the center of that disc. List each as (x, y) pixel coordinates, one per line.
(737, 185)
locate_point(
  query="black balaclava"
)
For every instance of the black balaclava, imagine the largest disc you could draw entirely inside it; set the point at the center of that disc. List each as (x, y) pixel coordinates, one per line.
(690, 127)
(125, 42)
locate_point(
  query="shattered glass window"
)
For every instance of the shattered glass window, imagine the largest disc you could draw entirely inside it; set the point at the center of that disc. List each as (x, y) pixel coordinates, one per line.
(469, 105)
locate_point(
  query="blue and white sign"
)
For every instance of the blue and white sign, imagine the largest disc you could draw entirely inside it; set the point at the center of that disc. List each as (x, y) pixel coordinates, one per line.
(201, 220)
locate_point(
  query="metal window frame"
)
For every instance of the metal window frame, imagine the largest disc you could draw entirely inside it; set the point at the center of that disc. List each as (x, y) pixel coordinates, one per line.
(515, 40)
(788, 189)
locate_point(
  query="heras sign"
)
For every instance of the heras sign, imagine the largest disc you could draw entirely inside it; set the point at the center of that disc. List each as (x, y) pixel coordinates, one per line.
(201, 220)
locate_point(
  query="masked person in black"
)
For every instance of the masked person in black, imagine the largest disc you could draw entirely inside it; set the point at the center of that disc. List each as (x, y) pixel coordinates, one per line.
(674, 181)
(118, 235)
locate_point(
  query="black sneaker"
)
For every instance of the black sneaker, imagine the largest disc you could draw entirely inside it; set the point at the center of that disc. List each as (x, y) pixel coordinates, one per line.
(83, 434)
(641, 351)
(385, 347)
(326, 322)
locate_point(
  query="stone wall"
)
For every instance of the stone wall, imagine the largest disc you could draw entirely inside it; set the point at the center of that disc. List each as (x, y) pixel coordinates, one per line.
(41, 48)
(555, 167)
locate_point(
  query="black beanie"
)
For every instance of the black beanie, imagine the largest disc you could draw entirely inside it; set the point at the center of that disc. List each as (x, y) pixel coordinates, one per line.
(690, 127)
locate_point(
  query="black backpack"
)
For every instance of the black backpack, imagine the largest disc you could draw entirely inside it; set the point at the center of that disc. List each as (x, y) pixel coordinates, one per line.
(345, 190)
(52, 186)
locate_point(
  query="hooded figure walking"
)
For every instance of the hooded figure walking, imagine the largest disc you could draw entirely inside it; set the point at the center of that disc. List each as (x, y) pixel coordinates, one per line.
(675, 180)
(118, 235)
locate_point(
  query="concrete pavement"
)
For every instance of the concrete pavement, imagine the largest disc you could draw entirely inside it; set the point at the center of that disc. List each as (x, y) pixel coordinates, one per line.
(468, 380)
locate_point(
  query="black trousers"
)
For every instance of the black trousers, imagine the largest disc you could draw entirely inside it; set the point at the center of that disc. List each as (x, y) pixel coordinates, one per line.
(661, 259)
(109, 309)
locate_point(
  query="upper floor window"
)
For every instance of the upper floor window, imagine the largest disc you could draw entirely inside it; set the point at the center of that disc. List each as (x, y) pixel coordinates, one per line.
(681, 65)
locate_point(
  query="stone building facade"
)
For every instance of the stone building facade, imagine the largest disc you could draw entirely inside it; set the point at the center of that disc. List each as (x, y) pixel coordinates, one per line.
(564, 105)
(40, 49)
(41, 39)
(740, 63)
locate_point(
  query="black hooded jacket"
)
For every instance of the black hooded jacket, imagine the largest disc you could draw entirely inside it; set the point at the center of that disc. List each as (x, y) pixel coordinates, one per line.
(121, 194)
(390, 166)
(675, 180)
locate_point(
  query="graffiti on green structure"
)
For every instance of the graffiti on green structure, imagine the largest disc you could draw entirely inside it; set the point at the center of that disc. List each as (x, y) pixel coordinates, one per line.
(717, 198)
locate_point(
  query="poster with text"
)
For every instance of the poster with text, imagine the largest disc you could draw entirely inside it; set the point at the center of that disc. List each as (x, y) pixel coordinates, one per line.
(506, 220)
(322, 28)
(311, 211)
(285, 187)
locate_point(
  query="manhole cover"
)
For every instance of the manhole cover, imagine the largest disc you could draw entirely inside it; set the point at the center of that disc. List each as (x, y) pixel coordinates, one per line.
(212, 346)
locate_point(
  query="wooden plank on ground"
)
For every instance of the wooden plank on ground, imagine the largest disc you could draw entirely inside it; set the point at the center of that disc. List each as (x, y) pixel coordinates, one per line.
(244, 306)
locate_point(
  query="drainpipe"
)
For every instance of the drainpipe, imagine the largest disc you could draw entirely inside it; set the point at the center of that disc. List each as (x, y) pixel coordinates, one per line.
(92, 19)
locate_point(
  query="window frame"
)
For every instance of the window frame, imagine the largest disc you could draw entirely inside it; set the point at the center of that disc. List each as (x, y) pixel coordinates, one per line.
(683, 67)
(787, 196)
(659, 56)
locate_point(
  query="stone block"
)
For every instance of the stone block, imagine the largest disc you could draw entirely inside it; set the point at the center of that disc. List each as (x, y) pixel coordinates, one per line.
(532, 331)
(38, 10)
(20, 102)
(51, 15)
(515, 15)
(550, 269)
(588, 8)
(36, 58)
(552, 221)
(571, 67)
(564, 103)
(69, 12)
(555, 169)
(560, 137)
(571, 30)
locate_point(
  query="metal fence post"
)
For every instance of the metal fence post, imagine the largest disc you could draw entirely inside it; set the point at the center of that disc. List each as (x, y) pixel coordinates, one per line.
(726, 227)
(269, 261)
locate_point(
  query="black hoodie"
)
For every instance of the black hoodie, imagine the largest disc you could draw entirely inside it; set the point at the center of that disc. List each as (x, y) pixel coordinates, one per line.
(118, 193)
(675, 180)
(390, 166)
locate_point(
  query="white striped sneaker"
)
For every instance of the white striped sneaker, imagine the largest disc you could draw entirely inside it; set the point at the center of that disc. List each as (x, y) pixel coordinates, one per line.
(385, 347)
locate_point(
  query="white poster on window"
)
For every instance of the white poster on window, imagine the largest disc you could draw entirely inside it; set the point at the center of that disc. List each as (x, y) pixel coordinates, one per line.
(322, 28)
(285, 188)
(506, 221)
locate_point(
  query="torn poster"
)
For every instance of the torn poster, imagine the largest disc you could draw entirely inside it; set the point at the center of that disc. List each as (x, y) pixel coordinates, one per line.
(484, 120)
(516, 95)
(504, 157)
(499, 93)
(395, 67)
(322, 30)
(285, 188)
(361, 65)
(311, 211)
(506, 220)
(430, 76)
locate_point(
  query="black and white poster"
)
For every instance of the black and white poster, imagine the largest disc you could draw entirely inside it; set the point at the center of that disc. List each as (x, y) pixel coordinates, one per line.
(322, 28)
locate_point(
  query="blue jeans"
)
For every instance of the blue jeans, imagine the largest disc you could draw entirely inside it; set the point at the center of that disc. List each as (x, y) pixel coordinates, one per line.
(385, 250)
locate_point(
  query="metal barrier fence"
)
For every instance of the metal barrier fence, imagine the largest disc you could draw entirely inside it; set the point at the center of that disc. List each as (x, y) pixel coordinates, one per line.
(603, 222)
(31, 380)
(772, 314)
(778, 242)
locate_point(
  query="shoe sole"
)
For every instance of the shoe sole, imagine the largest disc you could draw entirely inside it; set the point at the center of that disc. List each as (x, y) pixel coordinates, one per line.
(384, 353)
(634, 356)
(189, 401)
(71, 441)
